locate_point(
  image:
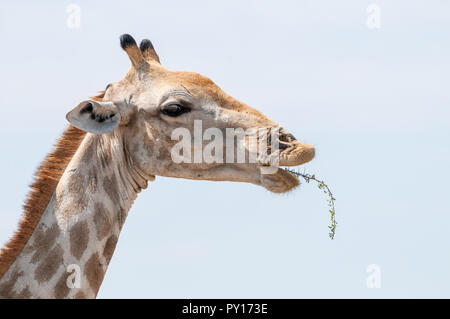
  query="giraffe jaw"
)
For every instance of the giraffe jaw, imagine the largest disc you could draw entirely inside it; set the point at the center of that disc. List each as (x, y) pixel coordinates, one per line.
(282, 181)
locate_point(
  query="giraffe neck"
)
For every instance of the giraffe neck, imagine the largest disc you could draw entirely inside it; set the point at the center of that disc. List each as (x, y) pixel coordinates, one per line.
(70, 248)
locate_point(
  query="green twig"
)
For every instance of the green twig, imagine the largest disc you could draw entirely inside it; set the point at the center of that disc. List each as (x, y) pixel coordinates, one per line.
(324, 187)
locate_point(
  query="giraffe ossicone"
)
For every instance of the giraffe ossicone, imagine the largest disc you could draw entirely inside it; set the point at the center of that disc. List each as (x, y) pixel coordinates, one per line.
(115, 144)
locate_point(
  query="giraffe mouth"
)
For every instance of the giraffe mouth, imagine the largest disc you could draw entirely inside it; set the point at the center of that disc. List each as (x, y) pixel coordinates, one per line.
(295, 154)
(287, 152)
(279, 179)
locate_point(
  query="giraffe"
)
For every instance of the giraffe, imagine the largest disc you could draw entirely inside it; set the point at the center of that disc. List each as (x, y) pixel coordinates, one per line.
(116, 143)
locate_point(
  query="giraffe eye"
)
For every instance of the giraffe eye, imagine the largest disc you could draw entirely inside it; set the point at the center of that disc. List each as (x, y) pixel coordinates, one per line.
(174, 110)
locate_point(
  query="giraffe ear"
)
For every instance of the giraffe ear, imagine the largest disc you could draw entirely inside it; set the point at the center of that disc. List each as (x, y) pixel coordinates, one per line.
(95, 116)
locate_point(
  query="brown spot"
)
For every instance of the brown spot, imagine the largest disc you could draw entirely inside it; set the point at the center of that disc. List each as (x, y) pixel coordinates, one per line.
(94, 272)
(43, 242)
(61, 288)
(80, 295)
(122, 216)
(163, 153)
(92, 182)
(79, 238)
(24, 294)
(79, 188)
(110, 246)
(76, 183)
(50, 265)
(111, 187)
(101, 220)
(105, 158)
(6, 288)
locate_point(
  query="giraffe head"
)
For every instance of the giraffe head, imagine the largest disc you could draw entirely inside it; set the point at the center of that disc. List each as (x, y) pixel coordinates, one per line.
(167, 122)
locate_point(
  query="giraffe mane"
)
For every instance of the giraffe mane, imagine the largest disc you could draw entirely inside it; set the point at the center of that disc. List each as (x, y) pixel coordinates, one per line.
(99, 96)
(41, 191)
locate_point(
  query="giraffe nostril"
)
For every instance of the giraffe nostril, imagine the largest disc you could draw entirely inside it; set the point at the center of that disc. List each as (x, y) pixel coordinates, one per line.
(291, 137)
(282, 146)
(286, 137)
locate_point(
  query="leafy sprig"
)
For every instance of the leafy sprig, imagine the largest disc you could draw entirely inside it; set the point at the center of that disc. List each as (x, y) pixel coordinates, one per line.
(323, 187)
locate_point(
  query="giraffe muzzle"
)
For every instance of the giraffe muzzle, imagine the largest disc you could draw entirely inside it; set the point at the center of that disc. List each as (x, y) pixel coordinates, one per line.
(289, 150)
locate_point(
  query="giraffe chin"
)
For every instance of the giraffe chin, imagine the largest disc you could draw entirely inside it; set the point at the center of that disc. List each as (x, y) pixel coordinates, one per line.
(280, 182)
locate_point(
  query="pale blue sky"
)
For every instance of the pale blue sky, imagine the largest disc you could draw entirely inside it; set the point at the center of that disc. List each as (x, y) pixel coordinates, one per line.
(375, 103)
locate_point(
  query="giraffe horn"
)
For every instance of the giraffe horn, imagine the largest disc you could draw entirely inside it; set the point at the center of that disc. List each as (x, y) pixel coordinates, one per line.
(134, 53)
(148, 51)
